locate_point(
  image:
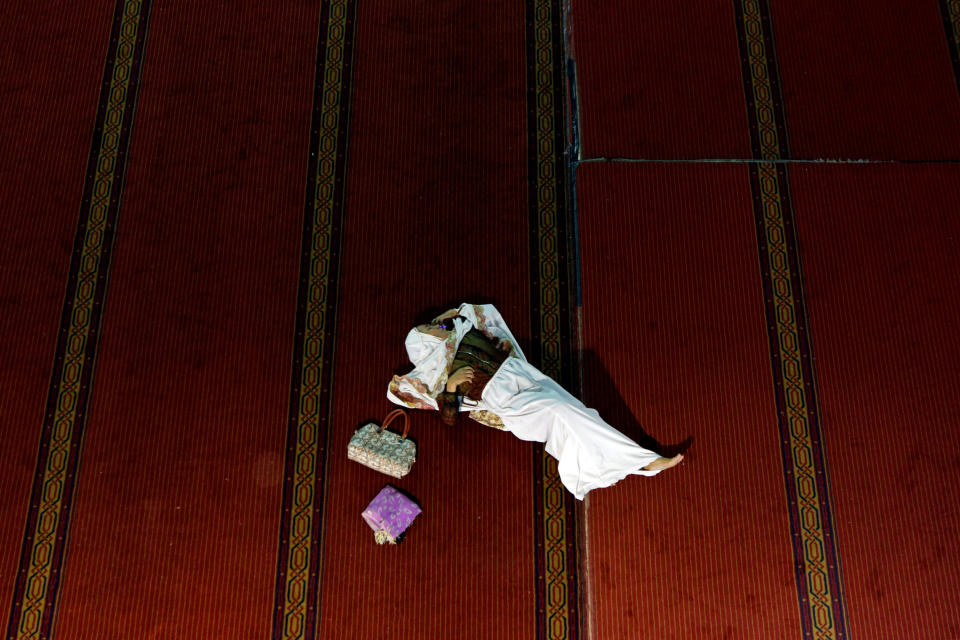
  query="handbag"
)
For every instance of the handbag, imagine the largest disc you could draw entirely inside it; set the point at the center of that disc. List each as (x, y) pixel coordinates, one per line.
(384, 451)
(390, 514)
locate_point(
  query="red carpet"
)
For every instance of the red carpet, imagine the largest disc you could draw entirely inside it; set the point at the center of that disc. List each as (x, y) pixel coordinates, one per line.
(860, 80)
(880, 246)
(176, 511)
(218, 236)
(174, 533)
(675, 346)
(436, 197)
(658, 80)
(865, 81)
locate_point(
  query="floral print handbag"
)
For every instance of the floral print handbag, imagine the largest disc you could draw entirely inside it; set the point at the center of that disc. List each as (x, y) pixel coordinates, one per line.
(385, 451)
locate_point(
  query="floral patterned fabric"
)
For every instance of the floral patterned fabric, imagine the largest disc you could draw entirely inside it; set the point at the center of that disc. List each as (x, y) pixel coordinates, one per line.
(382, 450)
(487, 418)
(390, 514)
(410, 392)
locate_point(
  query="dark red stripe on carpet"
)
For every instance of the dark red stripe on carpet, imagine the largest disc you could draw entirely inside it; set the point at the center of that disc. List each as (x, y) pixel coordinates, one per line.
(175, 530)
(40, 191)
(862, 80)
(658, 80)
(879, 247)
(675, 345)
(435, 214)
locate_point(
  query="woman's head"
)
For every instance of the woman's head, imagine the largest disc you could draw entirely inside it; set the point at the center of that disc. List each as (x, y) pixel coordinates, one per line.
(431, 347)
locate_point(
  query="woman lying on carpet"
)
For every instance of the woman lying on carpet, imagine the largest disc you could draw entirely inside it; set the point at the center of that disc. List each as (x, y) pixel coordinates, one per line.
(467, 360)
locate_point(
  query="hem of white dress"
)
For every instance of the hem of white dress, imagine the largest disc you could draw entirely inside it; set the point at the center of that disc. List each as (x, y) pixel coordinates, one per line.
(649, 473)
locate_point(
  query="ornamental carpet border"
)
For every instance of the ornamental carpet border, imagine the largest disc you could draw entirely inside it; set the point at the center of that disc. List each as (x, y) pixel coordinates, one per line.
(556, 513)
(300, 549)
(46, 533)
(817, 562)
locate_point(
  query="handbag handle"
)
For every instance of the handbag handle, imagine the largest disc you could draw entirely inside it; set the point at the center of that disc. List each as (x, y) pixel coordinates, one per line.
(392, 416)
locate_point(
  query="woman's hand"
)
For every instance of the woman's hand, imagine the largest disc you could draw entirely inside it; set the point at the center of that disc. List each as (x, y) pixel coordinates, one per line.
(458, 377)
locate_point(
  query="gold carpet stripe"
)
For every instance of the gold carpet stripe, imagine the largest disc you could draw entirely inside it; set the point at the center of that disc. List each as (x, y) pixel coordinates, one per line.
(803, 479)
(764, 108)
(300, 542)
(49, 509)
(557, 598)
(804, 476)
(953, 14)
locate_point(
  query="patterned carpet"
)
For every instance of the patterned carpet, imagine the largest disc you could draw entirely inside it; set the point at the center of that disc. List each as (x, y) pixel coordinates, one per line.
(729, 226)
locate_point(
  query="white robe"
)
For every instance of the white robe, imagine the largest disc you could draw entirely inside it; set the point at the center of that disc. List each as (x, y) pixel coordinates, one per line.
(590, 453)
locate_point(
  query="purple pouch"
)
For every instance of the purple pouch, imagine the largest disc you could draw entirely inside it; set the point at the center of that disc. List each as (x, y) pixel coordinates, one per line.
(389, 515)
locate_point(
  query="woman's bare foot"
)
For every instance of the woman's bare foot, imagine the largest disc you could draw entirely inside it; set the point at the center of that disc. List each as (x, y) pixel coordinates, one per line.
(664, 463)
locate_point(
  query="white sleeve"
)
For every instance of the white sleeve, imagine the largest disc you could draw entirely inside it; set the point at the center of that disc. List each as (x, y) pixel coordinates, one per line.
(408, 391)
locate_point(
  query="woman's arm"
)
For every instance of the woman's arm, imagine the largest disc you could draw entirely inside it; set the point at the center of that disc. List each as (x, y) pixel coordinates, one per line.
(458, 377)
